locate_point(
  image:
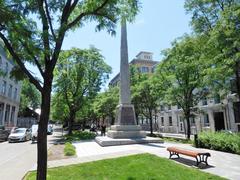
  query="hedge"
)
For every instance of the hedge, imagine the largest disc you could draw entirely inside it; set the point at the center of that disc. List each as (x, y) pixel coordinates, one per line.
(221, 141)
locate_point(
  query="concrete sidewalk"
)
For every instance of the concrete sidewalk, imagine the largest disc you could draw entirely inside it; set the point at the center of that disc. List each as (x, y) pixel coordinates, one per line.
(223, 164)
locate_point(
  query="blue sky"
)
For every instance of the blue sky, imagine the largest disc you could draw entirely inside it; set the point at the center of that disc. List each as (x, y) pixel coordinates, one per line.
(158, 23)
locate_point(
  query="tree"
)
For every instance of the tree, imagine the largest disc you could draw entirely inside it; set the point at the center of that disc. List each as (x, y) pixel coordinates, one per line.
(34, 31)
(146, 96)
(79, 76)
(206, 13)
(182, 75)
(219, 21)
(225, 37)
(29, 97)
(105, 104)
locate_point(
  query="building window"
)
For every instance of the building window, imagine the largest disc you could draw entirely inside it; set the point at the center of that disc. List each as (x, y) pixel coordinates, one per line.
(170, 120)
(10, 90)
(169, 107)
(192, 121)
(162, 121)
(178, 106)
(204, 101)
(161, 108)
(4, 87)
(217, 99)
(144, 69)
(15, 94)
(206, 120)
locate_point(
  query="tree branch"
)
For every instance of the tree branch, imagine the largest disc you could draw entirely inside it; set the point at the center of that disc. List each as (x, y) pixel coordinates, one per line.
(34, 57)
(49, 20)
(94, 12)
(20, 63)
(45, 32)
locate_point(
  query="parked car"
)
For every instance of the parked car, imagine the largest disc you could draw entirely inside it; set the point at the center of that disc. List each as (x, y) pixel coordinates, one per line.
(50, 129)
(34, 130)
(19, 135)
(3, 134)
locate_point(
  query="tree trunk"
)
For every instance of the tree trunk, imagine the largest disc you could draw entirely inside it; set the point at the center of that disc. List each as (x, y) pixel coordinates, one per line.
(188, 125)
(42, 134)
(237, 71)
(151, 123)
(70, 122)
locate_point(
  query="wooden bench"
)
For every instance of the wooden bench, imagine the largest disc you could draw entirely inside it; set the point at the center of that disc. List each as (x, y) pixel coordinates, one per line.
(200, 156)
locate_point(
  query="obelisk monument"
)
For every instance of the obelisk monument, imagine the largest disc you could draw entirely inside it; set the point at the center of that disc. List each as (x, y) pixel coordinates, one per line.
(125, 122)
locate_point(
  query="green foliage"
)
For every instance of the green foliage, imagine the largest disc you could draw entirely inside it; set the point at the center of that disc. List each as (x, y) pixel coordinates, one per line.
(80, 74)
(69, 149)
(222, 141)
(219, 22)
(106, 102)
(182, 75)
(29, 97)
(141, 166)
(80, 135)
(145, 94)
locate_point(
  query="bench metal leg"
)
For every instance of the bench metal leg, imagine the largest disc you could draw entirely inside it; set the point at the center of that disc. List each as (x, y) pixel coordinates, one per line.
(202, 158)
(172, 154)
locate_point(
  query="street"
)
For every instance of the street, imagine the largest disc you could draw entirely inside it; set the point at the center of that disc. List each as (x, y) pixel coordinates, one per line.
(17, 158)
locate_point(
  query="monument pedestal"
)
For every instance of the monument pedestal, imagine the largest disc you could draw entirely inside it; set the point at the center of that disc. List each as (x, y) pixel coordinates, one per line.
(125, 131)
(125, 125)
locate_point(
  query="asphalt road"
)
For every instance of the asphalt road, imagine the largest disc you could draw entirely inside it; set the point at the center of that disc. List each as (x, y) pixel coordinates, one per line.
(17, 158)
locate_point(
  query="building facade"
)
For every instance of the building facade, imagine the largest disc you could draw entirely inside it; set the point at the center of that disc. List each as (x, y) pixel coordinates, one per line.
(211, 114)
(143, 62)
(9, 92)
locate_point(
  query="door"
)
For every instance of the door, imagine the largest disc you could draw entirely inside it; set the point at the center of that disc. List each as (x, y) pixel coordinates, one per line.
(181, 124)
(219, 121)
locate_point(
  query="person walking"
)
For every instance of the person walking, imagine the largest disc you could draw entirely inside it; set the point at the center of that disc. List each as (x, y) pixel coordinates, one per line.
(103, 130)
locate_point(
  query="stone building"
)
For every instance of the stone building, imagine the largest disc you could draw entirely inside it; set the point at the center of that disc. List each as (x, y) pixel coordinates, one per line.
(143, 62)
(211, 114)
(9, 93)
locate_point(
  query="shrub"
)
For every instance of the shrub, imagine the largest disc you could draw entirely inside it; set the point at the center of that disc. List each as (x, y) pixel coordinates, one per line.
(80, 135)
(222, 141)
(69, 149)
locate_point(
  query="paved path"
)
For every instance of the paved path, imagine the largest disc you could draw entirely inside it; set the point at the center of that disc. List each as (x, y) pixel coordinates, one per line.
(17, 158)
(222, 164)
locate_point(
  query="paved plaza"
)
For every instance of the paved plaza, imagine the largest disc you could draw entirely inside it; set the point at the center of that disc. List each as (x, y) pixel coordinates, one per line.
(223, 164)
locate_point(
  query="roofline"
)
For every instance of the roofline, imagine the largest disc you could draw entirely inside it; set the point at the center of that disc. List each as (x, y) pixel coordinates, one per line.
(144, 52)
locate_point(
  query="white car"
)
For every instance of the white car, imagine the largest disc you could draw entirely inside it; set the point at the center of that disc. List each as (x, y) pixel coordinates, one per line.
(19, 135)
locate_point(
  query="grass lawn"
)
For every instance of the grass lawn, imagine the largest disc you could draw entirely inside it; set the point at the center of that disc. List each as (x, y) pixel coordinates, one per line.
(143, 166)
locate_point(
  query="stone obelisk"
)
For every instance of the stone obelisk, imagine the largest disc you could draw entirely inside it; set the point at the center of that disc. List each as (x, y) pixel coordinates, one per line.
(125, 122)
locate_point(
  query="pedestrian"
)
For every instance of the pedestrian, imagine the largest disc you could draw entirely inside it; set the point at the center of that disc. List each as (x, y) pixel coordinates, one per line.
(103, 130)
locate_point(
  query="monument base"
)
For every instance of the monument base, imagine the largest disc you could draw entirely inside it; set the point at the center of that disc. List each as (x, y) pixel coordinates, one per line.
(107, 141)
(126, 131)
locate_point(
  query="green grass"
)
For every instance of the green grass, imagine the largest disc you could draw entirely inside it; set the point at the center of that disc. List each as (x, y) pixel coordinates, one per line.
(79, 135)
(69, 149)
(143, 166)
